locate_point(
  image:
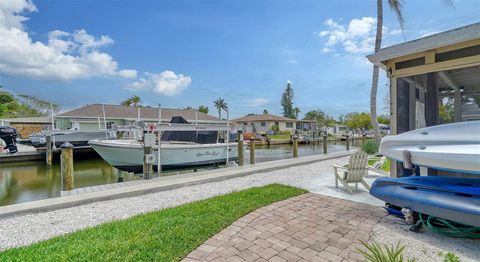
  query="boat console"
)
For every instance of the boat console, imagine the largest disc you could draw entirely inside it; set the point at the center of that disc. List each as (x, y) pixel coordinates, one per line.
(9, 135)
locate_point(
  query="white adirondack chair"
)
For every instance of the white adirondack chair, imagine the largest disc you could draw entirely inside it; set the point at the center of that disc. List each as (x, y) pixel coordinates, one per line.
(353, 173)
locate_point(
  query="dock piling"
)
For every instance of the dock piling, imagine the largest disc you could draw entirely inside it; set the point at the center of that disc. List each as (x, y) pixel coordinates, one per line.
(119, 175)
(325, 142)
(295, 146)
(66, 166)
(240, 147)
(49, 154)
(252, 151)
(347, 144)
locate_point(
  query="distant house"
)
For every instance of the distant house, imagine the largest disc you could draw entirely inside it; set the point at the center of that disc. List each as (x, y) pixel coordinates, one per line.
(262, 123)
(27, 125)
(91, 117)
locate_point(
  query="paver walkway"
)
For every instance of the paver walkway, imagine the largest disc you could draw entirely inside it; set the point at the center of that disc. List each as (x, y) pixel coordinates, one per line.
(309, 227)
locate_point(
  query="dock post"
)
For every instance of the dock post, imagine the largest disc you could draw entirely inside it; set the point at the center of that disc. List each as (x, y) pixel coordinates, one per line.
(325, 142)
(313, 137)
(147, 163)
(252, 151)
(66, 166)
(363, 138)
(348, 142)
(48, 153)
(119, 175)
(269, 142)
(295, 146)
(240, 147)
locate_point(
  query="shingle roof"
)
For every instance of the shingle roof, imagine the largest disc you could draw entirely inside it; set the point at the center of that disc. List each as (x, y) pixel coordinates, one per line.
(129, 112)
(39, 120)
(266, 117)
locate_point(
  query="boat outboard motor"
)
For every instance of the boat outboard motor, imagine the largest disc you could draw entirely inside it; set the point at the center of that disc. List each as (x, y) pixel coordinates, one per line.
(9, 135)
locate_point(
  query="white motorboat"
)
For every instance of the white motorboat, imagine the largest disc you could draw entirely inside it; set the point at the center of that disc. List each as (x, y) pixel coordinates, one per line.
(454, 147)
(127, 155)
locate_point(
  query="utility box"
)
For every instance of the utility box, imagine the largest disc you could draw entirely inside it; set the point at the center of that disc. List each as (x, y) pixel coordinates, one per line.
(149, 140)
(150, 159)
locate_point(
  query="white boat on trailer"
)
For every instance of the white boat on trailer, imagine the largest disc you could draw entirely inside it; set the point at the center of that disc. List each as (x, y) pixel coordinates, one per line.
(454, 147)
(127, 155)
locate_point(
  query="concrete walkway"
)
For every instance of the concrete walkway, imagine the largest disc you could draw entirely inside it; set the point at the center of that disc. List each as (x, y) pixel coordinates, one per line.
(309, 227)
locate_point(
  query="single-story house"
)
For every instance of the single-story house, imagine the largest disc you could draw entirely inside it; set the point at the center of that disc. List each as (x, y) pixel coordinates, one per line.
(262, 123)
(27, 125)
(433, 80)
(98, 116)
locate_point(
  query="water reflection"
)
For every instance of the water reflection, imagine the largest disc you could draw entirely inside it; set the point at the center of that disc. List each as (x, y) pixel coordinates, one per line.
(27, 181)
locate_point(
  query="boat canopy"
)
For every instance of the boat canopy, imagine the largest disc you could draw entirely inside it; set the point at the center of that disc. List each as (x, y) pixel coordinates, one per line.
(200, 137)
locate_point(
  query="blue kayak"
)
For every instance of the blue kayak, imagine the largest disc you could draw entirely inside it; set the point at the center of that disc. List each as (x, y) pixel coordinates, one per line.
(455, 199)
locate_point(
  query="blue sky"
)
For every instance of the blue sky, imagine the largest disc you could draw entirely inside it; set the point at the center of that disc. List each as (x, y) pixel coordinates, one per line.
(188, 53)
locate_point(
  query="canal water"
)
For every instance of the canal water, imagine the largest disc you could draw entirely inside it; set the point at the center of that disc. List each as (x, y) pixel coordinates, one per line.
(27, 181)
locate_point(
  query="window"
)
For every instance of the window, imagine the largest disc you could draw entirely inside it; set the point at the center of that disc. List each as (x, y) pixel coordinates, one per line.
(263, 124)
(289, 124)
(276, 123)
(110, 124)
(245, 124)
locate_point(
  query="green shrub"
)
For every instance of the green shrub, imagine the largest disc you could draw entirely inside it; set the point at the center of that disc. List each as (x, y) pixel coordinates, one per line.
(383, 253)
(449, 257)
(285, 132)
(370, 147)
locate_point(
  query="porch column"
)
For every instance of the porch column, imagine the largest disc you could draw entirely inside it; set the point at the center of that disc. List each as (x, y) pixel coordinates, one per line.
(431, 107)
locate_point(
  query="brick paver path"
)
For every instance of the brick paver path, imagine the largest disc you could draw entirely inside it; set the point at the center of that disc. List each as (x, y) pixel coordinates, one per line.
(309, 227)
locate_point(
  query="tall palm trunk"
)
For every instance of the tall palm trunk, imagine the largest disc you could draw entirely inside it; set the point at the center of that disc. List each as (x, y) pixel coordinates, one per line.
(373, 94)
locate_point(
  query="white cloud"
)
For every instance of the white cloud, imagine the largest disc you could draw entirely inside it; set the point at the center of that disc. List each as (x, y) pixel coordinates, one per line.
(166, 83)
(256, 102)
(357, 37)
(395, 32)
(65, 56)
(128, 73)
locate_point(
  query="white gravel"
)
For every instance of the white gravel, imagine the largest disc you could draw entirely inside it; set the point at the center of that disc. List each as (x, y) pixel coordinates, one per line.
(317, 178)
(424, 246)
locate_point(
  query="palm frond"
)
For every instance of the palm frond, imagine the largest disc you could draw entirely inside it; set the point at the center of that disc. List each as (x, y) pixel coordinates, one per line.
(396, 6)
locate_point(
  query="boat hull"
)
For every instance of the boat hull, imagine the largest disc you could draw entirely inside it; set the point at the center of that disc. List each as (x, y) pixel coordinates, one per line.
(455, 199)
(76, 138)
(453, 147)
(128, 155)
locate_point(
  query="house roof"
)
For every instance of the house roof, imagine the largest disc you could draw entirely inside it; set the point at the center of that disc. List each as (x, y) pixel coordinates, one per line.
(267, 117)
(131, 113)
(450, 37)
(31, 120)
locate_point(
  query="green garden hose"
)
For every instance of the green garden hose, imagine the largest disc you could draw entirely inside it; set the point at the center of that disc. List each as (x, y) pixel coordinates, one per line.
(448, 228)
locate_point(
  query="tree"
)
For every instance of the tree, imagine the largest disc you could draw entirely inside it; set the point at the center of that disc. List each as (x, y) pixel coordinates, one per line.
(34, 106)
(396, 6)
(8, 104)
(383, 119)
(297, 110)
(357, 120)
(322, 119)
(203, 109)
(132, 101)
(287, 101)
(220, 105)
(265, 111)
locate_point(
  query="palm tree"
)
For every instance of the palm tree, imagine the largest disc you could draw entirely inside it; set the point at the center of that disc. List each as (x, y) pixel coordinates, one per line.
(265, 111)
(396, 6)
(297, 110)
(220, 105)
(132, 101)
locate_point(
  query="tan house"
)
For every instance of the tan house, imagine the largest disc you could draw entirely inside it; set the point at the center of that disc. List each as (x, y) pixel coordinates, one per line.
(262, 123)
(98, 116)
(27, 125)
(433, 80)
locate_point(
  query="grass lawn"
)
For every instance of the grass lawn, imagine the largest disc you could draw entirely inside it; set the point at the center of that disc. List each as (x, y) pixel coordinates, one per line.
(279, 137)
(164, 235)
(385, 167)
